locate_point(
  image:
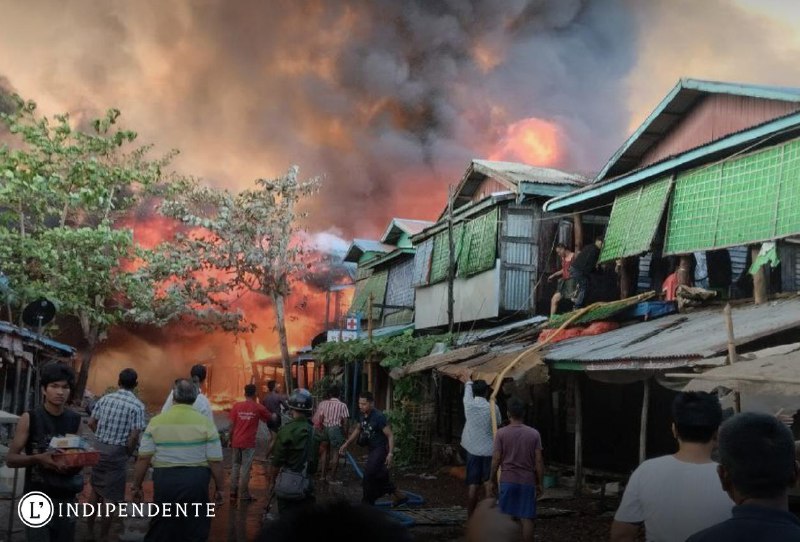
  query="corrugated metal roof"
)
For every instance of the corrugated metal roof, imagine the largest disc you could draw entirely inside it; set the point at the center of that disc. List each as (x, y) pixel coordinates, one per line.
(5, 327)
(686, 93)
(679, 337)
(360, 246)
(498, 331)
(409, 226)
(771, 371)
(515, 173)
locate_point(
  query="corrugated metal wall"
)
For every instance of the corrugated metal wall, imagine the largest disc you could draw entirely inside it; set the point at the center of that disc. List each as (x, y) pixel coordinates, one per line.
(519, 257)
(715, 117)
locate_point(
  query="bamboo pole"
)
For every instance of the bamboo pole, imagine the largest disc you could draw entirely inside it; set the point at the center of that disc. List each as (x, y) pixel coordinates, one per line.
(498, 381)
(732, 357)
(369, 338)
(643, 421)
(451, 264)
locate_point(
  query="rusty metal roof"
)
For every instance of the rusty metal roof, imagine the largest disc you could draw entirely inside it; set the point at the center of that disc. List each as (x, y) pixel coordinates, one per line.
(675, 340)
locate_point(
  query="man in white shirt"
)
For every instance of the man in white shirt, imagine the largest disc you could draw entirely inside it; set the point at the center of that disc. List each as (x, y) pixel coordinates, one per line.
(677, 495)
(477, 438)
(201, 404)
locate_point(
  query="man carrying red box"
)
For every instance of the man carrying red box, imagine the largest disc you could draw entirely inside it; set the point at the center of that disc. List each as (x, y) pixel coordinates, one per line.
(35, 430)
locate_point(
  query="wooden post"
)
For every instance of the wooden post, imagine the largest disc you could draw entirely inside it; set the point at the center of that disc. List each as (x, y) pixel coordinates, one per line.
(369, 338)
(451, 264)
(643, 421)
(625, 282)
(327, 309)
(684, 270)
(732, 356)
(578, 437)
(759, 278)
(577, 231)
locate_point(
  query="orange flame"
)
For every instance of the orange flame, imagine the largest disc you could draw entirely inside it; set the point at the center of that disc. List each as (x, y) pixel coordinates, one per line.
(530, 141)
(161, 355)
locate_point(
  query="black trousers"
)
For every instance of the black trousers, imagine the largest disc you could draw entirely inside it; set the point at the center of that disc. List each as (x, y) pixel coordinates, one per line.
(180, 485)
(377, 482)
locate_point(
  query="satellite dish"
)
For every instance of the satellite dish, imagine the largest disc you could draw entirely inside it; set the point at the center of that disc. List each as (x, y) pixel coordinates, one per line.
(39, 313)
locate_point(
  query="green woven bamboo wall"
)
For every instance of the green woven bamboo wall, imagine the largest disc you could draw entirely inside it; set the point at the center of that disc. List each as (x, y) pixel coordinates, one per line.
(634, 220)
(743, 200)
(441, 252)
(375, 285)
(479, 250)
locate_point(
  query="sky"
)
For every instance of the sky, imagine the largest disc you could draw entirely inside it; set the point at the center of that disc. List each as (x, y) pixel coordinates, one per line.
(389, 100)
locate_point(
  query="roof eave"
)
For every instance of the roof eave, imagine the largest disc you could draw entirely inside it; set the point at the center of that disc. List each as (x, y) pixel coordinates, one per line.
(662, 168)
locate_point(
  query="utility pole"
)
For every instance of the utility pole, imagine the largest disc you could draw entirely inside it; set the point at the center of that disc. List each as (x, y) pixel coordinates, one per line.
(451, 264)
(369, 338)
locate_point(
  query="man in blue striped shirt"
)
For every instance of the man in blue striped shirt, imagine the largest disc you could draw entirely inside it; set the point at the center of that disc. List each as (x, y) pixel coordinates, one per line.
(117, 420)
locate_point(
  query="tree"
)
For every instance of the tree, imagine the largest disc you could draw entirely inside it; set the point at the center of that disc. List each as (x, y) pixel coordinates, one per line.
(245, 241)
(63, 191)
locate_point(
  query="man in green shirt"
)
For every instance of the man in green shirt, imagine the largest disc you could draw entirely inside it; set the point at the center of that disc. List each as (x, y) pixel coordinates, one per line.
(297, 448)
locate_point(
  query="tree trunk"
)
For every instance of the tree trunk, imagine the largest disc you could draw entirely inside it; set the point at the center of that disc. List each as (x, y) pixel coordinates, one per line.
(280, 318)
(86, 363)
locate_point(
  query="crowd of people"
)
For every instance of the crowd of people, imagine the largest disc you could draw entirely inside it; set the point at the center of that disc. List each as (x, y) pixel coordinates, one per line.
(686, 496)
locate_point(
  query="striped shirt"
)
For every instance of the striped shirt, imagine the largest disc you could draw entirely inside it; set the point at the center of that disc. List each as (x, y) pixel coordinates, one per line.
(201, 405)
(118, 414)
(332, 412)
(181, 437)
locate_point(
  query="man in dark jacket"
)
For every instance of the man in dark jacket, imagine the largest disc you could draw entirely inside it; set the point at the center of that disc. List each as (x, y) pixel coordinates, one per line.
(757, 467)
(296, 449)
(582, 265)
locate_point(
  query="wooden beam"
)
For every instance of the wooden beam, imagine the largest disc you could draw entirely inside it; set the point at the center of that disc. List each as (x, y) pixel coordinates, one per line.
(732, 357)
(578, 437)
(759, 278)
(451, 263)
(684, 270)
(577, 231)
(626, 286)
(643, 421)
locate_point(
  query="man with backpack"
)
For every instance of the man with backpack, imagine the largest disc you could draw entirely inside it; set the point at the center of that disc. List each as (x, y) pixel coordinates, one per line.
(295, 456)
(44, 473)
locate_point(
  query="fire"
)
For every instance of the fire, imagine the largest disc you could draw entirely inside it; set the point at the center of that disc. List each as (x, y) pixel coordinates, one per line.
(530, 141)
(161, 355)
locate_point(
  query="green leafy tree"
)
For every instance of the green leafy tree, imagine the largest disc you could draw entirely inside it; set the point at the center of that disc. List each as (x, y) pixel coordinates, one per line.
(240, 243)
(63, 191)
